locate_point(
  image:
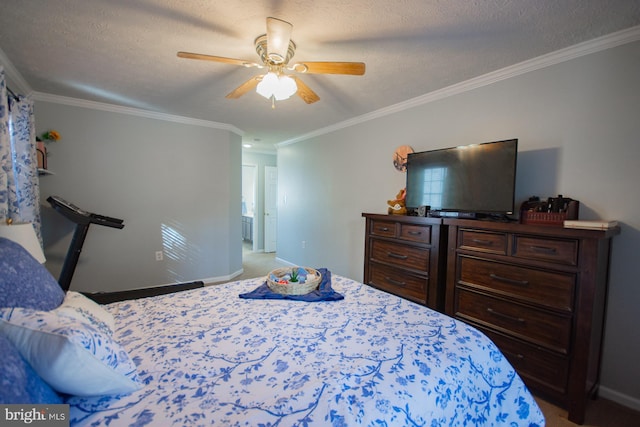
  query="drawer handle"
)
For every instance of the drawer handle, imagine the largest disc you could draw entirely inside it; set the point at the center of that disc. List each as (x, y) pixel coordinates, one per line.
(543, 249)
(505, 316)
(383, 228)
(415, 233)
(508, 280)
(396, 256)
(482, 242)
(395, 282)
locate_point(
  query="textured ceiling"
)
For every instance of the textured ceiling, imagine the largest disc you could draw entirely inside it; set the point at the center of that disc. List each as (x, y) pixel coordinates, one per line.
(123, 52)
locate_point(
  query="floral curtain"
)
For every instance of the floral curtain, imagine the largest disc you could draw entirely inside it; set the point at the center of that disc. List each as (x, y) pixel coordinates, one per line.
(19, 184)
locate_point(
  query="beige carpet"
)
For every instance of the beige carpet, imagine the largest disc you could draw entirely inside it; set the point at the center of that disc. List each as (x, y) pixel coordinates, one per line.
(256, 264)
(600, 412)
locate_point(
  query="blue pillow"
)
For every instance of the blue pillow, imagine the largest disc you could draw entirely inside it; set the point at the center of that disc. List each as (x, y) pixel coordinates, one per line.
(24, 282)
(18, 381)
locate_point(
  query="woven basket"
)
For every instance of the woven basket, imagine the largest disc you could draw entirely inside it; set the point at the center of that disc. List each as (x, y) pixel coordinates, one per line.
(294, 288)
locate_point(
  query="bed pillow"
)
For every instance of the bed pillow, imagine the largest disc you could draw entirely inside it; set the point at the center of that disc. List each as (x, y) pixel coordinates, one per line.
(18, 381)
(73, 357)
(85, 310)
(24, 282)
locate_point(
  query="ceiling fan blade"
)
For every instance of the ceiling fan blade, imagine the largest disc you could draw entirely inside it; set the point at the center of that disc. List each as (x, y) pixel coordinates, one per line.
(278, 37)
(245, 87)
(351, 68)
(305, 92)
(233, 61)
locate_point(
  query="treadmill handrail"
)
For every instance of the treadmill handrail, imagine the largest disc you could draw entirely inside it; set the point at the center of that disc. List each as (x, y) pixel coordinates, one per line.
(83, 220)
(79, 216)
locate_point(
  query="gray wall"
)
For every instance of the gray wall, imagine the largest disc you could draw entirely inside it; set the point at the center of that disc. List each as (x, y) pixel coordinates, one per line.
(578, 126)
(177, 187)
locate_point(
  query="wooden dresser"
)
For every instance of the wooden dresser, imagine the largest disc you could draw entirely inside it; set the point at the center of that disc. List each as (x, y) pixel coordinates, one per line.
(539, 292)
(404, 255)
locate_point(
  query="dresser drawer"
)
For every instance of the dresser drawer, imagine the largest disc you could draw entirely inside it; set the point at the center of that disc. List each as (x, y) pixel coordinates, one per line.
(547, 288)
(535, 365)
(495, 243)
(415, 233)
(559, 251)
(537, 326)
(383, 228)
(399, 282)
(400, 255)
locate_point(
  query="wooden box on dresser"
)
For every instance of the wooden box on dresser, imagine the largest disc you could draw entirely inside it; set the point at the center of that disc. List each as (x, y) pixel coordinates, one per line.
(540, 293)
(405, 256)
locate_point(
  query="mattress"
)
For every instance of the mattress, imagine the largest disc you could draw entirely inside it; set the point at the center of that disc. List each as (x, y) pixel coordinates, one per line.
(207, 357)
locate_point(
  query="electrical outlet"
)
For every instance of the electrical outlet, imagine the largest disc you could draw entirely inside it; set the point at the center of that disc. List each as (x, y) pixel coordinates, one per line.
(304, 244)
(159, 255)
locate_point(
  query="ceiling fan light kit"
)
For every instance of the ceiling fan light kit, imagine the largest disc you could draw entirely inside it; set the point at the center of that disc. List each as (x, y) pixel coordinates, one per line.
(275, 50)
(280, 87)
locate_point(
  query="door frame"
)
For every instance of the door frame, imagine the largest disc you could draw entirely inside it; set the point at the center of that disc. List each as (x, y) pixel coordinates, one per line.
(270, 208)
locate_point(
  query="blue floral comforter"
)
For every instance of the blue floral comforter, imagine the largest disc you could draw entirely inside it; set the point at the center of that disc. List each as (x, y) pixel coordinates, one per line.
(208, 357)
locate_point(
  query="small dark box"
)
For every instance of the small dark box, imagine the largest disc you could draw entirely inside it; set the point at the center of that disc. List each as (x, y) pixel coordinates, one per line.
(554, 211)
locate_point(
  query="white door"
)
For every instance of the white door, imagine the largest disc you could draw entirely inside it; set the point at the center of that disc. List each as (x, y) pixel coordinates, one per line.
(270, 207)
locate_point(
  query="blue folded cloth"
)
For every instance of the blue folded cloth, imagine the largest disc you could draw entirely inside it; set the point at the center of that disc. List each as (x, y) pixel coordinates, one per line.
(324, 292)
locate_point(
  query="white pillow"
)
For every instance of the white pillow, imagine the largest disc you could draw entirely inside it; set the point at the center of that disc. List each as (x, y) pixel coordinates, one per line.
(73, 357)
(85, 310)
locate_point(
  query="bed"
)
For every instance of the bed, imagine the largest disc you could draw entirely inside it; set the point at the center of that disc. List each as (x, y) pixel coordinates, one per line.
(208, 357)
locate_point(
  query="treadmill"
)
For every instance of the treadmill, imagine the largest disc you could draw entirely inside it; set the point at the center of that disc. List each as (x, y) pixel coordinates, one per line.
(83, 220)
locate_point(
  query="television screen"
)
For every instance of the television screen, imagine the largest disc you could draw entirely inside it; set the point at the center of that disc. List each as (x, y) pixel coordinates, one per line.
(476, 178)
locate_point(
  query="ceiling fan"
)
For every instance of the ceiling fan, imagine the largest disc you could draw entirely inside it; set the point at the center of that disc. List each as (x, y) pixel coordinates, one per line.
(275, 49)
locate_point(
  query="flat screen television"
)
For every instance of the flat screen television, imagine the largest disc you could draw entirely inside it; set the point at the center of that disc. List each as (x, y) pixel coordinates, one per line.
(471, 179)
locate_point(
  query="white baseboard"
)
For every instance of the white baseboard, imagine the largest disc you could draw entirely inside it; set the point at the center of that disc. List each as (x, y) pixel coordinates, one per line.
(622, 399)
(285, 261)
(226, 278)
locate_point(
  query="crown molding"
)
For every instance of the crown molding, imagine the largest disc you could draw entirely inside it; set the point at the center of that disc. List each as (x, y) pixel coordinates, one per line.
(259, 151)
(592, 46)
(57, 99)
(14, 76)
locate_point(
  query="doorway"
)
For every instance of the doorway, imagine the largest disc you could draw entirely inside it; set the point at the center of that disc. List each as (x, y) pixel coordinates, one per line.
(249, 180)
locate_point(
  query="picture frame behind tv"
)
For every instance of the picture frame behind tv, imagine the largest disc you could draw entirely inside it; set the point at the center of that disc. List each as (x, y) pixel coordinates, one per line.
(464, 180)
